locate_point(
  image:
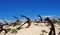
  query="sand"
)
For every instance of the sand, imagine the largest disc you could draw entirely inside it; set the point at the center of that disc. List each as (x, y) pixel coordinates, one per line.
(34, 29)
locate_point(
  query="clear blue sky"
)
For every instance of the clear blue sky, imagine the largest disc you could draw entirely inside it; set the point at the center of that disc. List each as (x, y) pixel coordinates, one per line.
(30, 8)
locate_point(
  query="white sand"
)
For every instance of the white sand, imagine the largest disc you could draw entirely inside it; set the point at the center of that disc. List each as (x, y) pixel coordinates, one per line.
(34, 30)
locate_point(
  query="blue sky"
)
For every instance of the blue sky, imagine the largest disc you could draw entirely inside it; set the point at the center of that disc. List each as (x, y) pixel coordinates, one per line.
(30, 8)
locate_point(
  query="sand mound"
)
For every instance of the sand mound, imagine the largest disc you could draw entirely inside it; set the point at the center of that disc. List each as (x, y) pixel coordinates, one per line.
(34, 29)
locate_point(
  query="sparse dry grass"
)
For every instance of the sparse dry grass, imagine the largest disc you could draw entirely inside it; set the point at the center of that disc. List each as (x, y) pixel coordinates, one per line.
(43, 31)
(8, 29)
(36, 24)
(14, 31)
(57, 23)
